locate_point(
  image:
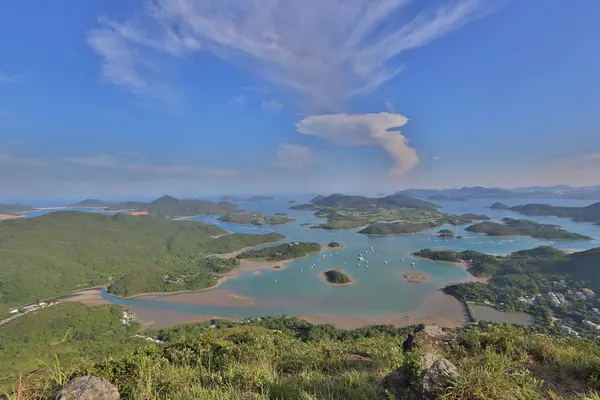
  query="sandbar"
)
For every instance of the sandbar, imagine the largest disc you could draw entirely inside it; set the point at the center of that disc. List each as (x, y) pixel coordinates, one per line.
(416, 277)
(89, 297)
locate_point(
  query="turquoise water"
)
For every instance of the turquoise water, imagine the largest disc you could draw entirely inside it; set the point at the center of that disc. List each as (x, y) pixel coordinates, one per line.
(379, 290)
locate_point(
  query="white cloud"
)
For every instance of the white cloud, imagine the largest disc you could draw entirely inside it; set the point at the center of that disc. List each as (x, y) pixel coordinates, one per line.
(328, 50)
(17, 161)
(271, 105)
(94, 161)
(295, 156)
(377, 129)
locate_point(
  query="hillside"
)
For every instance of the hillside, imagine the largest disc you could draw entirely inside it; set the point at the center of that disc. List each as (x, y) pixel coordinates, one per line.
(285, 251)
(287, 358)
(171, 207)
(583, 265)
(14, 208)
(90, 203)
(524, 227)
(589, 213)
(60, 252)
(362, 203)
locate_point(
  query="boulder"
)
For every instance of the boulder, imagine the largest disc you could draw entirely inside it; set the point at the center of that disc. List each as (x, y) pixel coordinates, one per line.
(431, 335)
(438, 375)
(88, 388)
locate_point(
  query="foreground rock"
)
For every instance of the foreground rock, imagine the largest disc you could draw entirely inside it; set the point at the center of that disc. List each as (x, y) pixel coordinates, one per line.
(88, 388)
(431, 375)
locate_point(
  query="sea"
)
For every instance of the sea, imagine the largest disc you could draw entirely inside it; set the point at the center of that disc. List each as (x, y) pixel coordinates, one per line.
(377, 290)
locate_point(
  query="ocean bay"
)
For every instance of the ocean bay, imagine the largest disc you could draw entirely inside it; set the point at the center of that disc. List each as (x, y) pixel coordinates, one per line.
(380, 294)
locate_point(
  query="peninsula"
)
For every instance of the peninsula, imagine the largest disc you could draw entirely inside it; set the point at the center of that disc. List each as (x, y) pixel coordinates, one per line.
(255, 219)
(589, 213)
(12, 211)
(285, 251)
(171, 207)
(524, 227)
(336, 277)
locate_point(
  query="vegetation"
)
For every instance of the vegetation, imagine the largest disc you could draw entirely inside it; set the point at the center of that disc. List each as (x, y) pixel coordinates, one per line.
(290, 359)
(170, 207)
(60, 252)
(334, 245)
(524, 227)
(285, 251)
(445, 233)
(14, 208)
(68, 333)
(522, 280)
(337, 277)
(395, 228)
(589, 213)
(255, 219)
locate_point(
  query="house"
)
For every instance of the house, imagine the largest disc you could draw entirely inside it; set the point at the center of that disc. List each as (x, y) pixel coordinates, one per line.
(588, 292)
(14, 311)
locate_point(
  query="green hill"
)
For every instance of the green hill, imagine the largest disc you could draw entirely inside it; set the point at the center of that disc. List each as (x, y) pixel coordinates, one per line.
(171, 207)
(60, 252)
(524, 227)
(583, 265)
(589, 213)
(91, 203)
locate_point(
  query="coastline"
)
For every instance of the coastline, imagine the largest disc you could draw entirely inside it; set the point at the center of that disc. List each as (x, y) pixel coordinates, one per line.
(462, 264)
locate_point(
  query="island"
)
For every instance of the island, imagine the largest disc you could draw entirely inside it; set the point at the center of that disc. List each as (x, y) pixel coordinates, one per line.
(285, 251)
(253, 198)
(255, 219)
(336, 277)
(93, 203)
(171, 207)
(445, 233)
(524, 227)
(589, 213)
(71, 250)
(334, 245)
(389, 215)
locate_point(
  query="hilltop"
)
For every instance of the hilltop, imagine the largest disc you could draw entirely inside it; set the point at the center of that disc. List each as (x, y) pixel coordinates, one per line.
(60, 252)
(91, 203)
(589, 213)
(255, 219)
(171, 207)
(524, 227)
(288, 358)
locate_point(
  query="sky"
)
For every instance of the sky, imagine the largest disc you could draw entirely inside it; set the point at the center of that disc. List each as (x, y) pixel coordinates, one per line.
(106, 98)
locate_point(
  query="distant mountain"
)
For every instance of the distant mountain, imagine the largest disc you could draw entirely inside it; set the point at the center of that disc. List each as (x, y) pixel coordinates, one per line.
(91, 203)
(524, 227)
(465, 193)
(14, 208)
(253, 198)
(169, 207)
(589, 213)
(316, 199)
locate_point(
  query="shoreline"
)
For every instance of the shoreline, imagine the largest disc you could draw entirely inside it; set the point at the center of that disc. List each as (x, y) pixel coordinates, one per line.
(462, 264)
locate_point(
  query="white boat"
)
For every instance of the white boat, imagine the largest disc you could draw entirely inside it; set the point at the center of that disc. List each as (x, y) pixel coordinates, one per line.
(412, 263)
(312, 266)
(402, 259)
(385, 262)
(360, 258)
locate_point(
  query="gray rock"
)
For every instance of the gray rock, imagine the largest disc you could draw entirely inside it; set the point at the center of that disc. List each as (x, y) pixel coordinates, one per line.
(438, 375)
(427, 335)
(88, 388)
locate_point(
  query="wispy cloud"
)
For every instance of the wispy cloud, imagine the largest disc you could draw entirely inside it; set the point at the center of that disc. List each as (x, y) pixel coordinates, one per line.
(94, 161)
(328, 50)
(8, 78)
(271, 105)
(18, 161)
(238, 100)
(376, 129)
(295, 156)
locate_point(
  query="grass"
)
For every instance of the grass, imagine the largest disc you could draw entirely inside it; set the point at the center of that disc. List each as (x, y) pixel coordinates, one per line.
(495, 362)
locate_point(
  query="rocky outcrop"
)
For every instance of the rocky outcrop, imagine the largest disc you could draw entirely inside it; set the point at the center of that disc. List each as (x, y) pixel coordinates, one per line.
(430, 375)
(88, 388)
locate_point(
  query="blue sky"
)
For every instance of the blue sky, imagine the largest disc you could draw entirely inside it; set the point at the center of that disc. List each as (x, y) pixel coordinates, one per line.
(140, 98)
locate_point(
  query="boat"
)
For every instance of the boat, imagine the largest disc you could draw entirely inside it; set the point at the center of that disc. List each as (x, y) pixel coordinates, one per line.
(412, 263)
(402, 259)
(360, 258)
(385, 262)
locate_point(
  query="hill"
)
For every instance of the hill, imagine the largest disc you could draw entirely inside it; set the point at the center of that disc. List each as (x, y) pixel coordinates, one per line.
(478, 192)
(287, 358)
(90, 203)
(589, 213)
(171, 207)
(362, 203)
(253, 198)
(14, 208)
(584, 265)
(60, 252)
(524, 227)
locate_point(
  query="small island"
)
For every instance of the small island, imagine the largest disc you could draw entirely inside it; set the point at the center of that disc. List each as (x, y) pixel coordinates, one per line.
(524, 227)
(334, 245)
(336, 277)
(415, 277)
(255, 219)
(445, 233)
